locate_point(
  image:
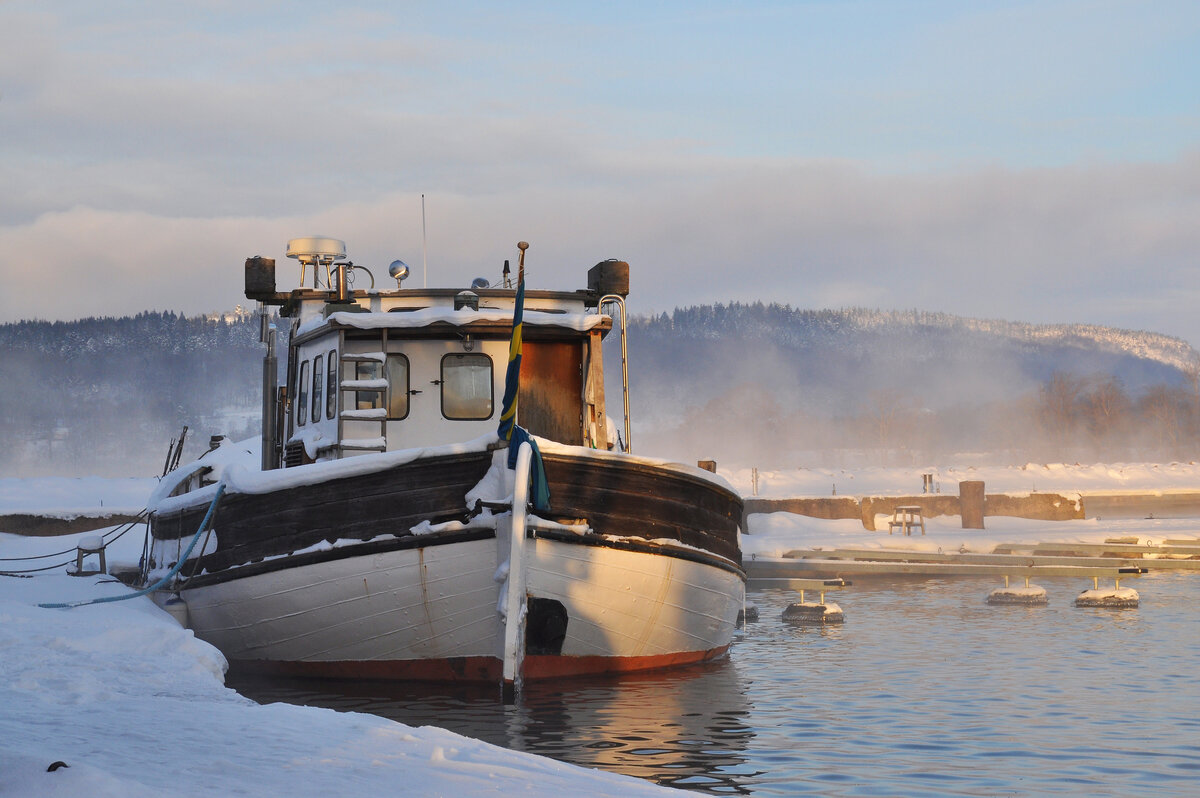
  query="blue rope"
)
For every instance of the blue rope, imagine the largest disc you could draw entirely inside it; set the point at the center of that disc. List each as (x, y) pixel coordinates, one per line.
(174, 570)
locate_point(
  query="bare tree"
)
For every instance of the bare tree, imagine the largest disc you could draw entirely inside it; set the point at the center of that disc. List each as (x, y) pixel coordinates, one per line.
(1059, 410)
(1106, 410)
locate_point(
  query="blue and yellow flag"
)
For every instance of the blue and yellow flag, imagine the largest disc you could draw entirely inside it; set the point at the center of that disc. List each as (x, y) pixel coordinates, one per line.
(508, 429)
(512, 377)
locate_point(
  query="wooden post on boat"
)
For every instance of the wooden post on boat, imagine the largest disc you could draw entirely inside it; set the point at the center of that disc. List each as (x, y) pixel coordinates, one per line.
(514, 600)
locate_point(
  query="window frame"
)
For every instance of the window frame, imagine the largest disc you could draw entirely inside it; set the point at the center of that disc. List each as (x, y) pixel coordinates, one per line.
(318, 385)
(332, 383)
(302, 394)
(491, 385)
(395, 356)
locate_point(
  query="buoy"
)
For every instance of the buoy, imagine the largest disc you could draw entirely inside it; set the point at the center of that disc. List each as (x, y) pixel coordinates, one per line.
(747, 615)
(1028, 596)
(1110, 597)
(1113, 597)
(813, 612)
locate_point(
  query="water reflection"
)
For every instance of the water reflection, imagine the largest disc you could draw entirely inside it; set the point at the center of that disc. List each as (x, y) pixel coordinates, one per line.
(686, 728)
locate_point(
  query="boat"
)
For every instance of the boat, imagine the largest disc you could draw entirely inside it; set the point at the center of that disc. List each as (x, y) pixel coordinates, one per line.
(440, 494)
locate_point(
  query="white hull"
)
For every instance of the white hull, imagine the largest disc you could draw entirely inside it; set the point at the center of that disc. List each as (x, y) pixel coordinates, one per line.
(432, 612)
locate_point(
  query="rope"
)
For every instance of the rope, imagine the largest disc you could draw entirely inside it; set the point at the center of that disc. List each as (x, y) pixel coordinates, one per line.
(166, 577)
(37, 570)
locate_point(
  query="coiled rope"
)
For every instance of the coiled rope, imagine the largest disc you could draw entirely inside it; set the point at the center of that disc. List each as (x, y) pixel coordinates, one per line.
(166, 577)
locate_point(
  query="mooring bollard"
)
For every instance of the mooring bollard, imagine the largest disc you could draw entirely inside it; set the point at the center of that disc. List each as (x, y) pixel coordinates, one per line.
(1029, 596)
(92, 544)
(1117, 597)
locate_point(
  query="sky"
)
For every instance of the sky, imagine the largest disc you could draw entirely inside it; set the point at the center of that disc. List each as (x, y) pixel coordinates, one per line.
(1028, 161)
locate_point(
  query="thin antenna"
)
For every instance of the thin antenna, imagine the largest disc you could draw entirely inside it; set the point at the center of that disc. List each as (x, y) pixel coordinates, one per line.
(424, 264)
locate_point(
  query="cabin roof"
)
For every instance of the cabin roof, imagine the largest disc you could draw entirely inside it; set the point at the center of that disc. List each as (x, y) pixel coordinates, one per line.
(482, 320)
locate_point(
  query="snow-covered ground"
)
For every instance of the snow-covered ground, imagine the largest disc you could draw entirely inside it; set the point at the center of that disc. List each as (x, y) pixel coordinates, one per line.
(136, 706)
(70, 497)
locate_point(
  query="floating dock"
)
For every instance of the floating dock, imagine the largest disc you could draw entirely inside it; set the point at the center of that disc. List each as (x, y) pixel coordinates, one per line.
(1112, 559)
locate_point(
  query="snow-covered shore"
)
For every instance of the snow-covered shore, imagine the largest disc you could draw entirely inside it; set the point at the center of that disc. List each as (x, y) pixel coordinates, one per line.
(137, 706)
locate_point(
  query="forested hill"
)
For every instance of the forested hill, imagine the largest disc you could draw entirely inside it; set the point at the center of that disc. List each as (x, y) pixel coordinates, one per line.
(104, 394)
(912, 337)
(743, 381)
(761, 382)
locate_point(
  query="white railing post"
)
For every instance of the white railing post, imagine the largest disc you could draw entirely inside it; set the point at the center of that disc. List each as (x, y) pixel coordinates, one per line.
(514, 603)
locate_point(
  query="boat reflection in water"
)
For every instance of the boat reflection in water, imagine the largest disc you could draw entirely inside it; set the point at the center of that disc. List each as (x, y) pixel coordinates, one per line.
(664, 727)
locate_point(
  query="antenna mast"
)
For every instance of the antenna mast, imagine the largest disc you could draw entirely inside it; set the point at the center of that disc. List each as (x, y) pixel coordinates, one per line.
(424, 263)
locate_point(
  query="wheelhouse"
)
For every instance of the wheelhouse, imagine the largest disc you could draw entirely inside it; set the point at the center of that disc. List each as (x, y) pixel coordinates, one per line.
(382, 370)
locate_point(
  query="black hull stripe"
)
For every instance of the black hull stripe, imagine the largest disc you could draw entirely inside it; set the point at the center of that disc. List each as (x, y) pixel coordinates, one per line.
(370, 548)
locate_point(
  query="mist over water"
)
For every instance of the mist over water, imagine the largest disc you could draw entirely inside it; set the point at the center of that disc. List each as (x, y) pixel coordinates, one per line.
(778, 387)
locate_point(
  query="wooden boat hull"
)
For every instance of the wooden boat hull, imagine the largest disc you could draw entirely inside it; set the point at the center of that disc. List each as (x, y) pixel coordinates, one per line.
(430, 613)
(651, 585)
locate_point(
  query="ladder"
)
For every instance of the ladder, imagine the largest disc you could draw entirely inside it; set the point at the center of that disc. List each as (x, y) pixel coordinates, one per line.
(351, 415)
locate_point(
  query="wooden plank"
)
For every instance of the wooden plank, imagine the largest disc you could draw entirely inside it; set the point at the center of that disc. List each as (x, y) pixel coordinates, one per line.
(1178, 547)
(1018, 560)
(625, 499)
(628, 498)
(1117, 549)
(784, 568)
(899, 558)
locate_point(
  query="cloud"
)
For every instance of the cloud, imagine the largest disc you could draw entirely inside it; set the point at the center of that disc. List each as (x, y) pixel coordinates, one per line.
(1102, 244)
(146, 154)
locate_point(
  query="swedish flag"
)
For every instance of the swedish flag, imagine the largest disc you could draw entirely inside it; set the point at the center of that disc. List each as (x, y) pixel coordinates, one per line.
(508, 429)
(512, 377)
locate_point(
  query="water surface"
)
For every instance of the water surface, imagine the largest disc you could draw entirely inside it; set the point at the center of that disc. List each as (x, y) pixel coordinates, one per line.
(924, 690)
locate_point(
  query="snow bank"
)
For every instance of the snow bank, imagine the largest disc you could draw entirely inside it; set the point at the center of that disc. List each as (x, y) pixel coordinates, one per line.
(136, 706)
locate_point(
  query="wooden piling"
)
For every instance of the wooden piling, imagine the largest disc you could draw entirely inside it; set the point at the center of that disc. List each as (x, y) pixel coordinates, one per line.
(970, 499)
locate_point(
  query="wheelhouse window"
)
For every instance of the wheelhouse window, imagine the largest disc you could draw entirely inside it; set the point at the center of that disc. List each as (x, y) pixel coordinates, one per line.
(467, 387)
(331, 386)
(302, 396)
(395, 369)
(397, 377)
(318, 384)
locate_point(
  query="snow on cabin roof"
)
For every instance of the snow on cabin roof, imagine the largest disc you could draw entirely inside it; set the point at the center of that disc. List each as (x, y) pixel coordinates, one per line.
(425, 317)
